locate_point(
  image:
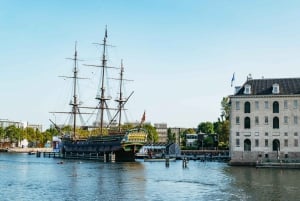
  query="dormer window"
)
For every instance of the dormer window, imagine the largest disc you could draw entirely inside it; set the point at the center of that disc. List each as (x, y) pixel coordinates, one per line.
(247, 89)
(275, 88)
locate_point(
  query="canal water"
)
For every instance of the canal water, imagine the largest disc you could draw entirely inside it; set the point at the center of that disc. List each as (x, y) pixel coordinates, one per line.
(24, 177)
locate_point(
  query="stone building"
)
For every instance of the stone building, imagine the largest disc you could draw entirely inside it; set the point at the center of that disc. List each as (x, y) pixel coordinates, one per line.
(265, 121)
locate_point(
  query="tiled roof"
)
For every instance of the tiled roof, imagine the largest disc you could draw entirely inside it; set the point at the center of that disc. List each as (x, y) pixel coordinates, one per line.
(287, 86)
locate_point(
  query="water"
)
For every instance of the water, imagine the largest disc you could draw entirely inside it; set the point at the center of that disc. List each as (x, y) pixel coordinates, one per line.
(25, 177)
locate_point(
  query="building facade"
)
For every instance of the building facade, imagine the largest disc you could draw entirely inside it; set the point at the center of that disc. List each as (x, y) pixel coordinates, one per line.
(162, 131)
(265, 121)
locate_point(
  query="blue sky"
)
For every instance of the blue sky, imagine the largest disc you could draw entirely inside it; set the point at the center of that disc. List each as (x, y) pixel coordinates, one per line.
(180, 54)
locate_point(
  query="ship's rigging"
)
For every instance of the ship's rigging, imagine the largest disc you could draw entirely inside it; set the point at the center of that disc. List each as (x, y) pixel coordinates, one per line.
(101, 97)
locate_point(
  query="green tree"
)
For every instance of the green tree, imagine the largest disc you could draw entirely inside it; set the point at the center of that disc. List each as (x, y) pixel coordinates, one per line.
(2, 133)
(29, 134)
(225, 124)
(189, 131)
(224, 134)
(171, 136)
(225, 108)
(205, 127)
(152, 133)
(13, 133)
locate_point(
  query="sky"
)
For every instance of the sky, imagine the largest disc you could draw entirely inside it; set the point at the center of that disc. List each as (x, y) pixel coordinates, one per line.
(180, 54)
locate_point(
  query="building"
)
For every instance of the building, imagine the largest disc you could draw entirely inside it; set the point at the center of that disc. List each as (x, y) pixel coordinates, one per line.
(265, 121)
(6, 123)
(191, 140)
(162, 131)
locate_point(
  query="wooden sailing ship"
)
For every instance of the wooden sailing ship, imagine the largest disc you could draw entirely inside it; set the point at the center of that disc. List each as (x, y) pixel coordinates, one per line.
(110, 144)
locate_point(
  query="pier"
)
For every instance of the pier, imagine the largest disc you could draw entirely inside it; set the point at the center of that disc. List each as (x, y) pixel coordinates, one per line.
(108, 157)
(205, 155)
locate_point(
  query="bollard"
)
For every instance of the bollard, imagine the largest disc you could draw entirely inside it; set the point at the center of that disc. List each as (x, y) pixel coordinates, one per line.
(167, 162)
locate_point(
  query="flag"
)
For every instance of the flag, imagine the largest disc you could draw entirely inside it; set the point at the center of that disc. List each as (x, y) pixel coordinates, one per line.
(143, 117)
(232, 79)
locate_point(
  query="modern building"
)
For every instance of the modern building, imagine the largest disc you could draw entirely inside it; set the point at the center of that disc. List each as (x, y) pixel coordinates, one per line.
(265, 121)
(162, 131)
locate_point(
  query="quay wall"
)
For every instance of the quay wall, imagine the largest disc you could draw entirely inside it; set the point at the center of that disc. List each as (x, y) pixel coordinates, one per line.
(26, 150)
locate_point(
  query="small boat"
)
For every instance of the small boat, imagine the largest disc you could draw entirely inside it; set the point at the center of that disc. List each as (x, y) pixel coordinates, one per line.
(31, 153)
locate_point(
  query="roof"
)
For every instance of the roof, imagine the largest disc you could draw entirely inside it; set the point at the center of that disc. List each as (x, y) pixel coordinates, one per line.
(287, 86)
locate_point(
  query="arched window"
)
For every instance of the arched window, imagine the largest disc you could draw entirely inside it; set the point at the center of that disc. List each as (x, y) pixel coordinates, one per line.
(247, 107)
(276, 122)
(275, 107)
(247, 145)
(276, 145)
(247, 122)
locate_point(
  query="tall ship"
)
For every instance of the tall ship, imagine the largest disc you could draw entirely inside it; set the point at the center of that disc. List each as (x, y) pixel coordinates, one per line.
(108, 141)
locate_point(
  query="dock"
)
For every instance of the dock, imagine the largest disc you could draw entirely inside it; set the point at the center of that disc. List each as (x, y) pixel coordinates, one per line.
(205, 155)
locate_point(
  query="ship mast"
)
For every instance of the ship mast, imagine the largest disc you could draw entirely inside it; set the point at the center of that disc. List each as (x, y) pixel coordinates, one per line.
(121, 101)
(102, 97)
(74, 103)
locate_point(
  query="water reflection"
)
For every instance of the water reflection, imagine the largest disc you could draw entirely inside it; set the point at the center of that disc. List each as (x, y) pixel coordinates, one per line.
(25, 177)
(263, 184)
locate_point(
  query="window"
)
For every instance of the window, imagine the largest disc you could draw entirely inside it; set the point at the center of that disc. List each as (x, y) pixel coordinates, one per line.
(247, 122)
(285, 119)
(275, 122)
(247, 89)
(295, 104)
(295, 134)
(256, 143)
(237, 133)
(256, 120)
(237, 105)
(247, 145)
(266, 105)
(296, 142)
(285, 104)
(266, 120)
(266, 142)
(275, 107)
(285, 134)
(275, 88)
(295, 119)
(266, 134)
(237, 142)
(237, 120)
(257, 105)
(247, 107)
(286, 142)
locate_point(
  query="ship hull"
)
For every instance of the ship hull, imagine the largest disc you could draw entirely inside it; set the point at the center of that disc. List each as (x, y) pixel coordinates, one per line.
(106, 148)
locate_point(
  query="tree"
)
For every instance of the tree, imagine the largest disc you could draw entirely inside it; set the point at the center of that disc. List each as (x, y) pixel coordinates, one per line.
(152, 134)
(171, 136)
(13, 133)
(205, 127)
(189, 131)
(223, 125)
(224, 135)
(225, 108)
